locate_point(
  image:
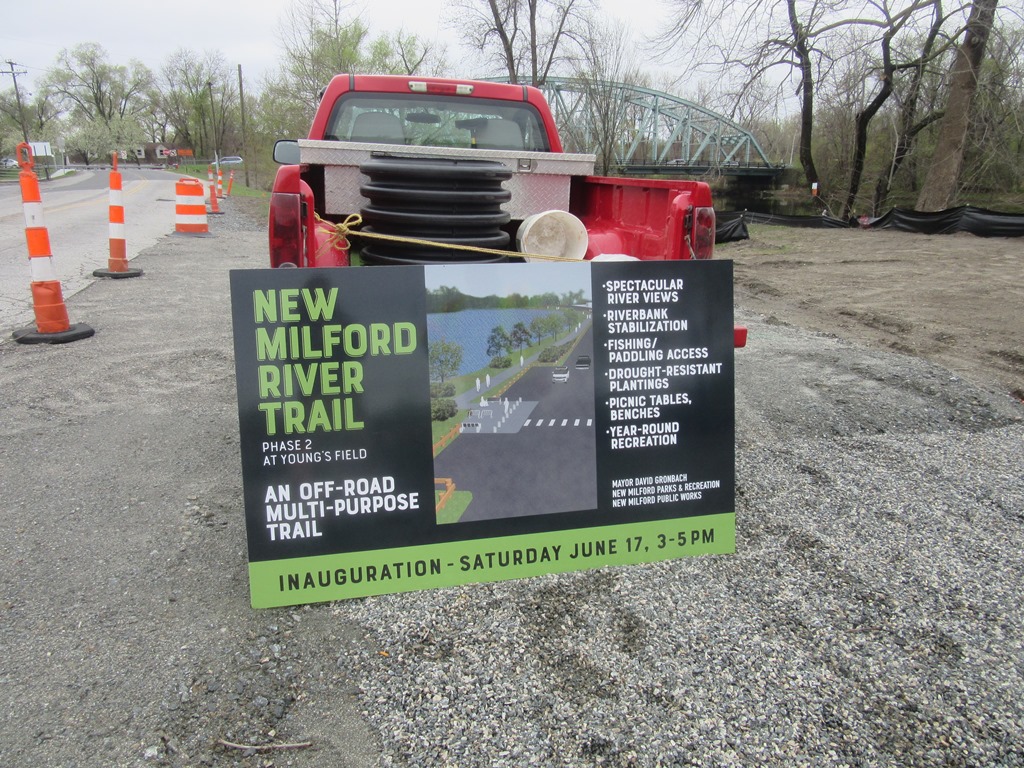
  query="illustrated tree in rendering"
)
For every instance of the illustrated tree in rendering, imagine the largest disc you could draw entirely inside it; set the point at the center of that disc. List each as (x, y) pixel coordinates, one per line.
(444, 359)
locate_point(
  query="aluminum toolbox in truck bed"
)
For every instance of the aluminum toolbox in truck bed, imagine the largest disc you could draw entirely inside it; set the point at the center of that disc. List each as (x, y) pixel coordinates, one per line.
(540, 180)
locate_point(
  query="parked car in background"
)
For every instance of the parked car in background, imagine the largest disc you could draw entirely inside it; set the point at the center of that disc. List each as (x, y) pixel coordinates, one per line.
(560, 374)
(8, 162)
(232, 160)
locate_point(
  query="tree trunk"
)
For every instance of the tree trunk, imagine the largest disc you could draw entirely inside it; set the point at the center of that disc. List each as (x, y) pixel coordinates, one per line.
(861, 143)
(904, 146)
(909, 126)
(940, 185)
(806, 94)
(506, 42)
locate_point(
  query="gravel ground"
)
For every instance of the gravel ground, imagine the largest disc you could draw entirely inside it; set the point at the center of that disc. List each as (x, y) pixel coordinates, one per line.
(872, 615)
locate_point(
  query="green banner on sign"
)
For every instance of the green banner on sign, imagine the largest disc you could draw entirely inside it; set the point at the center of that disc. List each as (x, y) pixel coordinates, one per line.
(405, 569)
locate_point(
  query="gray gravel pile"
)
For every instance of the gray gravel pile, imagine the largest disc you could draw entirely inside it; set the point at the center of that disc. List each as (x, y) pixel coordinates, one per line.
(871, 616)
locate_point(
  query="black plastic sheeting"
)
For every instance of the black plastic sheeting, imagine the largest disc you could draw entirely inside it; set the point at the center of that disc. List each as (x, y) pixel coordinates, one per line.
(730, 226)
(965, 218)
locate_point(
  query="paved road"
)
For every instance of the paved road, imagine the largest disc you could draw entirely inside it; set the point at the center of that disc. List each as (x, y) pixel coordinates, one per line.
(75, 211)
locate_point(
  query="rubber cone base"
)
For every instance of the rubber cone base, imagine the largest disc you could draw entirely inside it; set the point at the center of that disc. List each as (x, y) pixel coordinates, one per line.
(130, 272)
(73, 333)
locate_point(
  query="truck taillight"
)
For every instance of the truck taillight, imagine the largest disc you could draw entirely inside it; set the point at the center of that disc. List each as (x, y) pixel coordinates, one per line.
(704, 233)
(448, 89)
(286, 230)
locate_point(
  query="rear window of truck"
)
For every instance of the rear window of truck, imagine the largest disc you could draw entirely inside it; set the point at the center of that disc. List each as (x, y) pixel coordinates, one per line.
(436, 121)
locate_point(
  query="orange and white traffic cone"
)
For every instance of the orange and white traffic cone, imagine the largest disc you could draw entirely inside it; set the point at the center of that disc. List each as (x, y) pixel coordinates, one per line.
(220, 181)
(214, 207)
(52, 324)
(190, 208)
(117, 264)
(231, 182)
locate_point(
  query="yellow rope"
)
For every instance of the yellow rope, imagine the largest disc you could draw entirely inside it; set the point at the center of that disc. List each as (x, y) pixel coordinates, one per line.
(343, 230)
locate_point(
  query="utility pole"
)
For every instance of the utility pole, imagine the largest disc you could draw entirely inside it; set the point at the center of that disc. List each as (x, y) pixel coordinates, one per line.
(213, 120)
(241, 104)
(17, 96)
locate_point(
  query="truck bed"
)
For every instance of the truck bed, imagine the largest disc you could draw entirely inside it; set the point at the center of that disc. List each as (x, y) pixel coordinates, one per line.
(540, 180)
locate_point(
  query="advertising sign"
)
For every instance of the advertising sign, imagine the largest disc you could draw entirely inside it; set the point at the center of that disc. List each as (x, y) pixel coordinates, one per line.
(407, 428)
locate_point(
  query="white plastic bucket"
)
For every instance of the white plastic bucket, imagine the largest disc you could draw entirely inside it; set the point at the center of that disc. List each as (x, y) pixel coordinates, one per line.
(552, 233)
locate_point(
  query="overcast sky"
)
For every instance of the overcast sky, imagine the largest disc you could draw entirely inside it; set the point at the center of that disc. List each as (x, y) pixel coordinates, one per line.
(245, 31)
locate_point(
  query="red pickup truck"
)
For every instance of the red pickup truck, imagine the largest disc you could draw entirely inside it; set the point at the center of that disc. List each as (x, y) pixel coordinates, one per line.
(462, 164)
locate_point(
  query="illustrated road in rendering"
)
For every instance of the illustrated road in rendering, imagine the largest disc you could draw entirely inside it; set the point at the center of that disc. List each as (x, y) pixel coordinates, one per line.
(545, 465)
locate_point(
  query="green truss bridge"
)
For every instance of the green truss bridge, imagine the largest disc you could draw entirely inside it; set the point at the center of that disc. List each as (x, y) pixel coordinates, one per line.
(645, 132)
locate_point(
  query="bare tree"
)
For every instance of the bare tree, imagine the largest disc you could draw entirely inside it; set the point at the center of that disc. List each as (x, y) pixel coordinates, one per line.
(807, 40)
(910, 121)
(891, 25)
(197, 95)
(609, 60)
(760, 37)
(400, 53)
(940, 184)
(527, 39)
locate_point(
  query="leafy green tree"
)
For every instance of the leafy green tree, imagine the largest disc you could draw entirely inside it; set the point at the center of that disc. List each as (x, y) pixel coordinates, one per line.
(446, 299)
(95, 141)
(443, 359)
(101, 103)
(516, 300)
(545, 300)
(538, 328)
(547, 325)
(498, 341)
(521, 336)
(10, 122)
(90, 88)
(320, 40)
(572, 298)
(44, 117)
